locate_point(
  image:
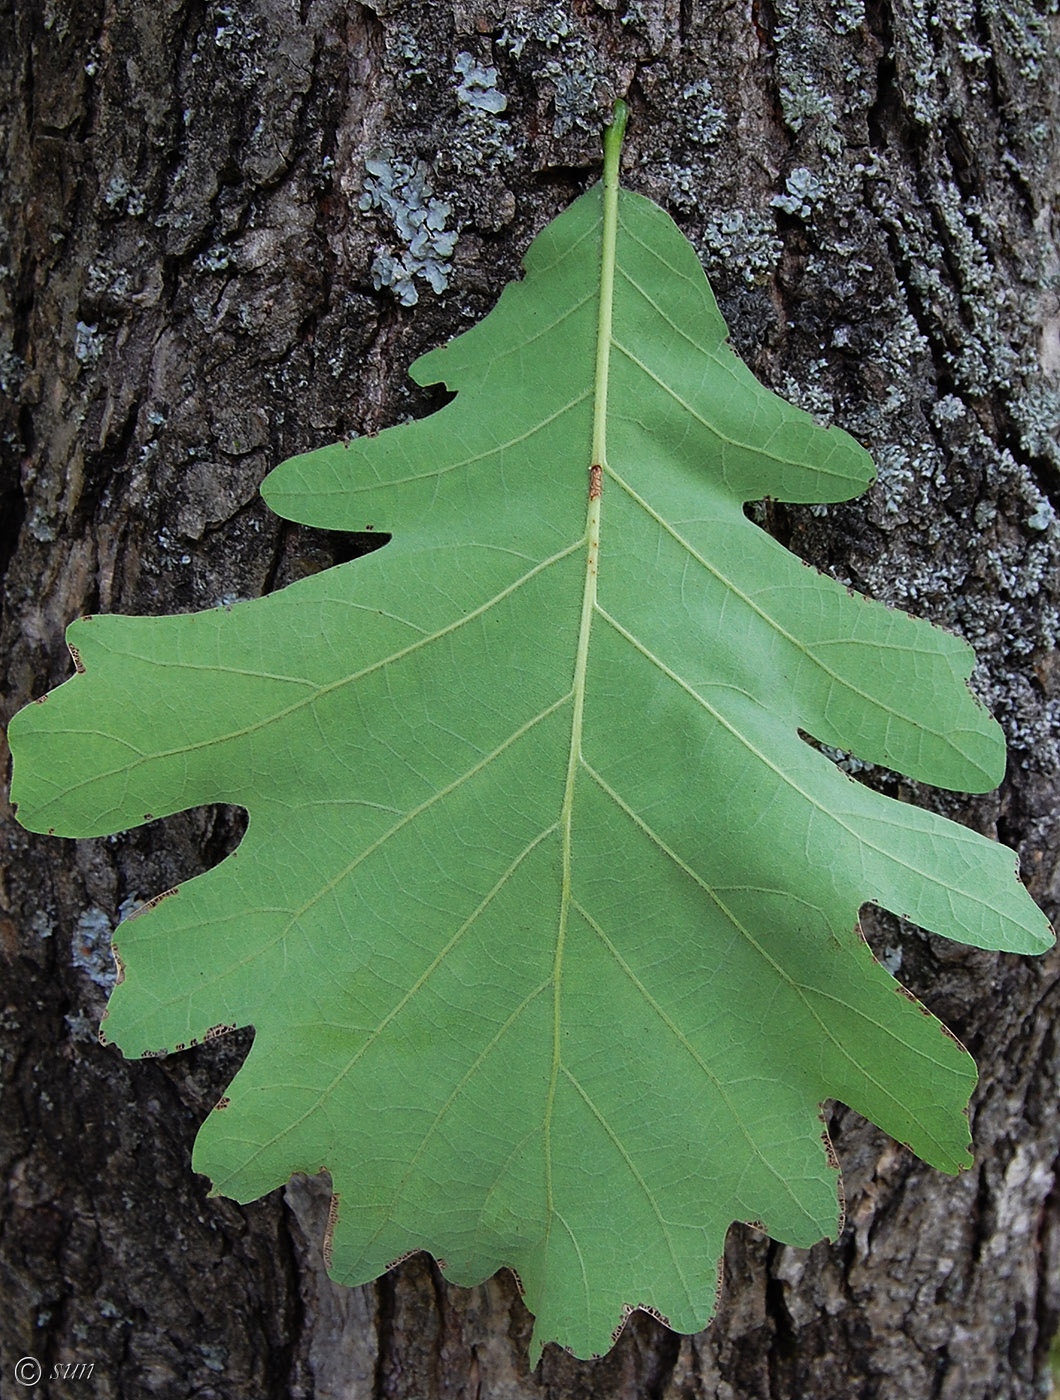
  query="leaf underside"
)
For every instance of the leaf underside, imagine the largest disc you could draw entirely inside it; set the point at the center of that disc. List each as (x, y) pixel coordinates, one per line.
(546, 915)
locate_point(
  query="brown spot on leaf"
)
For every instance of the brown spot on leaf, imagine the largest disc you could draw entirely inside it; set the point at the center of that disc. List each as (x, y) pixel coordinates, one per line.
(596, 481)
(79, 665)
(653, 1312)
(333, 1220)
(627, 1308)
(829, 1151)
(40, 699)
(215, 1031)
(904, 991)
(950, 1036)
(518, 1281)
(151, 903)
(400, 1259)
(841, 1197)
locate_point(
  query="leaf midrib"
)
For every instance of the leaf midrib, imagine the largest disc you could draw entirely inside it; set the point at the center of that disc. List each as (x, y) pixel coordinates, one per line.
(597, 468)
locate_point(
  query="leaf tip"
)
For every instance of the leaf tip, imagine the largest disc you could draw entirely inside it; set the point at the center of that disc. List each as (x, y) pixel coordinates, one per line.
(1045, 938)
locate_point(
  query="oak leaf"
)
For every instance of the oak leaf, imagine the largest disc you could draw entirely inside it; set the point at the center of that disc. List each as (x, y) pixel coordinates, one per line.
(546, 917)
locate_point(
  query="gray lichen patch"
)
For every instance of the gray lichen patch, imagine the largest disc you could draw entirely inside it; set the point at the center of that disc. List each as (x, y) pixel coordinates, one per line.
(402, 192)
(802, 191)
(551, 26)
(959, 296)
(701, 118)
(557, 53)
(810, 70)
(1036, 413)
(90, 951)
(476, 159)
(745, 241)
(88, 344)
(407, 58)
(478, 85)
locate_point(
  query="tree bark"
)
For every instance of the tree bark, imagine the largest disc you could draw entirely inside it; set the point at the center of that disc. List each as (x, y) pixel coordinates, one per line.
(205, 276)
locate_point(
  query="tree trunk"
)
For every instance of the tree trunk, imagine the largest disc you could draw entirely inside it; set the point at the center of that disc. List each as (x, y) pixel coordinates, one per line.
(209, 271)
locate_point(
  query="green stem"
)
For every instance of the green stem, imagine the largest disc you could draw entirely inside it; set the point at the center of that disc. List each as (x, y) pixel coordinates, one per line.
(612, 153)
(613, 137)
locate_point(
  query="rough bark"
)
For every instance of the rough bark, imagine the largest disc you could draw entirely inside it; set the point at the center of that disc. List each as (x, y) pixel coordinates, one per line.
(193, 292)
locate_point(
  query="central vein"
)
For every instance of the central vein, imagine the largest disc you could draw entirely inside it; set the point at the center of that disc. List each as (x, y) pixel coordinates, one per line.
(612, 151)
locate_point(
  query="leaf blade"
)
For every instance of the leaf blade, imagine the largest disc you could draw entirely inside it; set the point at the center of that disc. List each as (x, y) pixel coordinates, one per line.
(546, 915)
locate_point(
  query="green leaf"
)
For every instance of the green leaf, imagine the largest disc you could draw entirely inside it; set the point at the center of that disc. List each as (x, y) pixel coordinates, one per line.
(546, 915)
